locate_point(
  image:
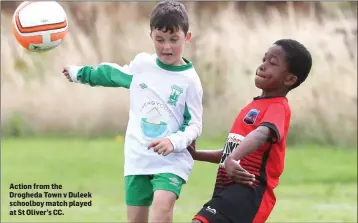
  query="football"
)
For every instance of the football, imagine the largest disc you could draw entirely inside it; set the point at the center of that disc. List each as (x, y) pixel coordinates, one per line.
(40, 25)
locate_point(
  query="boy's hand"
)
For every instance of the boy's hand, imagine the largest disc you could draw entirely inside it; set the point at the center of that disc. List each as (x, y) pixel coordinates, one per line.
(67, 75)
(237, 173)
(161, 146)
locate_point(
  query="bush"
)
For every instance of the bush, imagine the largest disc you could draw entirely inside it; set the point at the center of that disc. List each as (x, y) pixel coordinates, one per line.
(225, 53)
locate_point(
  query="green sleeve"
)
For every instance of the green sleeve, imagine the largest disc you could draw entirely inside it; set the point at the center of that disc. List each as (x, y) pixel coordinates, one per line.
(105, 75)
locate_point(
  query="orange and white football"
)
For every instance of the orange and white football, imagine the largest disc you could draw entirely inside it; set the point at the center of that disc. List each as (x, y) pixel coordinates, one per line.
(40, 25)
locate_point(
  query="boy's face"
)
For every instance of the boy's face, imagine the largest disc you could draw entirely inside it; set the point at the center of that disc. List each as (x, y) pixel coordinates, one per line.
(169, 46)
(273, 73)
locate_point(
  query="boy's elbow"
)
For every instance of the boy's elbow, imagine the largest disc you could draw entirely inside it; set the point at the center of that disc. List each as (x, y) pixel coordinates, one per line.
(193, 130)
(200, 129)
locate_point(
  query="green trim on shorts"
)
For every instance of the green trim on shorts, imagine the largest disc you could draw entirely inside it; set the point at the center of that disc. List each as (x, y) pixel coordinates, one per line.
(139, 189)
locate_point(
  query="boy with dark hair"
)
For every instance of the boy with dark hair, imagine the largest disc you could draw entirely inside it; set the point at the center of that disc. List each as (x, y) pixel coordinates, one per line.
(165, 114)
(253, 157)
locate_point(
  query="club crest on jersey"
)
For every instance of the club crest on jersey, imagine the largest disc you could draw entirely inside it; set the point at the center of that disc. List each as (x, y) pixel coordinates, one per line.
(251, 116)
(174, 96)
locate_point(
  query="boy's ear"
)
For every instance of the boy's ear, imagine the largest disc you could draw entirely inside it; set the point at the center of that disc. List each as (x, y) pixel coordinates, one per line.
(188, 36)
(290, 80)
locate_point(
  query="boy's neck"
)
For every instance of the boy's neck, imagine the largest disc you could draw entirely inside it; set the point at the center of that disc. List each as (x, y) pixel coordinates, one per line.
(177, 66)
(273, 93)
(179, 62)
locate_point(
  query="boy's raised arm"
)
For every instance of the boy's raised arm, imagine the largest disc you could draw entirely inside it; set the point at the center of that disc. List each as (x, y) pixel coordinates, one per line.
(105, 74)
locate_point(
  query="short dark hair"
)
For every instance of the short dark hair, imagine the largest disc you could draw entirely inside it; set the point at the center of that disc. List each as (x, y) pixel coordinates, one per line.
(298, 59)
(169, 15)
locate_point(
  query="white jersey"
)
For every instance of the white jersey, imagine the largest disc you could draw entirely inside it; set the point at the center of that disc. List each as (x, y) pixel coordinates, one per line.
(165, 102)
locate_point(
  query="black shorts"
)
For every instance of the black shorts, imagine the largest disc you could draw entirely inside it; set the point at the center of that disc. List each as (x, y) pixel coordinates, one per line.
(235, 204)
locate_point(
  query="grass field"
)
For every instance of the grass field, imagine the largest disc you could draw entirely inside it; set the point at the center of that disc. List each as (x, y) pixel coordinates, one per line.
(318, 185)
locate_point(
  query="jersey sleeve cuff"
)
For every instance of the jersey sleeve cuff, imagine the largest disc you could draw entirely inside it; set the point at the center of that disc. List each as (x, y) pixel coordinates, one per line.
(176, 143)
(73, 71)
(276, 134)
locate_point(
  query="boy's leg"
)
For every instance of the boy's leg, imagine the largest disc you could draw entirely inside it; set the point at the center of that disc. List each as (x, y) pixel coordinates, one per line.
(139, 196)
(163, 205)
(166, 187)
(137, 214)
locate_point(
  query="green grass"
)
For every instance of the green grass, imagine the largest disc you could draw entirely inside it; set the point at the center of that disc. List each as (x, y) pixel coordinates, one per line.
(318, 185)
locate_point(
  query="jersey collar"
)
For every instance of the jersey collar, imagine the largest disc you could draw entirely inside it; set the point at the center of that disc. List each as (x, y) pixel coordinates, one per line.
(184, 67)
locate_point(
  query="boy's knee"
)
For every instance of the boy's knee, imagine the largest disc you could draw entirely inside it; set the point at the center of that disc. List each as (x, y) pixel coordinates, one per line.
(162, 210)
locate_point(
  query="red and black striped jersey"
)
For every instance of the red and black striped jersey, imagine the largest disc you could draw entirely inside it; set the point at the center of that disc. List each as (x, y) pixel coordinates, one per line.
(266, 163)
